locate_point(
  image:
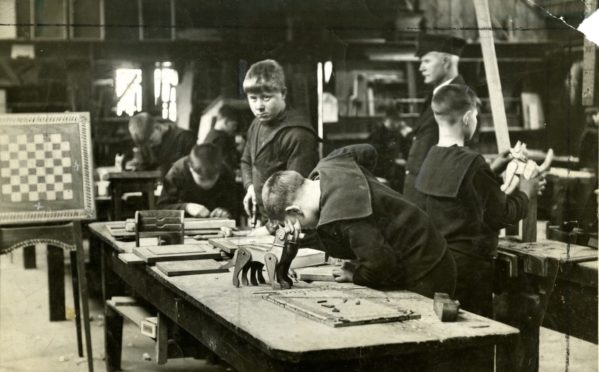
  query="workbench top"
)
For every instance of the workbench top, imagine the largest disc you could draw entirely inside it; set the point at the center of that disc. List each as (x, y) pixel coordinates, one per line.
(575, 263)
(252, 333)
(101, 231)
(292, 337)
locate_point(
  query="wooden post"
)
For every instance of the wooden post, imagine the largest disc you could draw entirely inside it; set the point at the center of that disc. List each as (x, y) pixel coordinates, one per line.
(589, 64)
(29, 257)
(487, 44)
(81, 273)
(55, 257)
(502, 134)
(76, 300)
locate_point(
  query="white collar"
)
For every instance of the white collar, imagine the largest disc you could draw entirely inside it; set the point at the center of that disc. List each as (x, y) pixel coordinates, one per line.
(446, 82)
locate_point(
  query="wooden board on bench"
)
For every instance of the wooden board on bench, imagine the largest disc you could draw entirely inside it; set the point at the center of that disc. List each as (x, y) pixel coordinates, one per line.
(193, 226)
(191, 267)
(322, 273)
(340, 308)
(176, 252)
(230, 245)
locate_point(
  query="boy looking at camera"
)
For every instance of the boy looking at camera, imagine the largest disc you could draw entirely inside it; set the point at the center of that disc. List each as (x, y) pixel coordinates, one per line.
(278, 139)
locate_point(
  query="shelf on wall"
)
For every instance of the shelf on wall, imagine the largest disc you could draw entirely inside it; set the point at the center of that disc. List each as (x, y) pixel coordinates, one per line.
(511, 129)
(347, 136)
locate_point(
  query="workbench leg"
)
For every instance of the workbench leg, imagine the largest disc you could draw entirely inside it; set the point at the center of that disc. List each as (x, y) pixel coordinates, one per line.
(29, 258)
(151, 197)
(112, 285)
(77, 237)
(55, 256)
(162, 340)
(75, 280)
(505, 356)
(113, 338)
(116, 195)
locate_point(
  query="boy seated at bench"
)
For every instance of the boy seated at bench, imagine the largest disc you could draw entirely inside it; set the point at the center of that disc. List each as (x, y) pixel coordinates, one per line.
(392, 243)
(464, 199)
(201, 184)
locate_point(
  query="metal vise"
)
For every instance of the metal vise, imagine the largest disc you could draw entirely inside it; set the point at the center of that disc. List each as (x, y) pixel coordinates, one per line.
(277, 260)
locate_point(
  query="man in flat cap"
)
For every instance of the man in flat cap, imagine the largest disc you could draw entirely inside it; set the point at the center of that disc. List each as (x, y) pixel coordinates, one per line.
(439, 57)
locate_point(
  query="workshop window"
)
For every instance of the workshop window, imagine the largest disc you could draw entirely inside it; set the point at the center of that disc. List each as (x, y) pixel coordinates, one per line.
(165, 89)
(128, 91)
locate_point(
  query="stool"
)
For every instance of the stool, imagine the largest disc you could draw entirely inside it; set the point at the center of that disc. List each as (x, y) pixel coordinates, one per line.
(122, 182)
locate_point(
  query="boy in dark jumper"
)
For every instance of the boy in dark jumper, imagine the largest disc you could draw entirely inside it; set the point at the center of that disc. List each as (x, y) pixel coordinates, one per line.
(394, 244)
(223, 136)
(278, 139)
(160, 144)
(463, 197)
(201, 184)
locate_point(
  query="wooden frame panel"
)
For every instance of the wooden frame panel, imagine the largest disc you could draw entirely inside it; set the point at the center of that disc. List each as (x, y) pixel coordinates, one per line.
(45, 168)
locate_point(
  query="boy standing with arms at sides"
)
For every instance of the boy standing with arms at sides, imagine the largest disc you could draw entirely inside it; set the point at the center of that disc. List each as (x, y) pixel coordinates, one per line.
(201, 184)
(356, 217)
(278, 138)
(463, 197)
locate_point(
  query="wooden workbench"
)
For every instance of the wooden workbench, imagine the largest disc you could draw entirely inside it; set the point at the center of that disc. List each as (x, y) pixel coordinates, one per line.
(553, 284)
(252, 334)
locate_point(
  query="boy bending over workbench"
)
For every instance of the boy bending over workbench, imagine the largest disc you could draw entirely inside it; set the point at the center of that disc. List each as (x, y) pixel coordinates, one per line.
(394, 244)
(201, 184)
(464, 199)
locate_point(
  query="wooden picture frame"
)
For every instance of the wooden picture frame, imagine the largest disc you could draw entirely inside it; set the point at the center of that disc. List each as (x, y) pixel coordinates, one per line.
(45, 168)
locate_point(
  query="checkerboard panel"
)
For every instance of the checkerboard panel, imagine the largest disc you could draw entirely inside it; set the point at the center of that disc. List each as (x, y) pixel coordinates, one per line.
(35, 167)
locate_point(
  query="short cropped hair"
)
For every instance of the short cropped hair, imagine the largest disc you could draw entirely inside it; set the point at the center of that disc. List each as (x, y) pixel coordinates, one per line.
(452, 101)
(141, 126)
(227, 112)
(206, 160)
(264, 76)
(279, 192)
(392, 114)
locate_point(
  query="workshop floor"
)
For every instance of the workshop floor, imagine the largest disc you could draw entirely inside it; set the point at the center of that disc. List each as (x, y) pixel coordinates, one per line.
(29, 342)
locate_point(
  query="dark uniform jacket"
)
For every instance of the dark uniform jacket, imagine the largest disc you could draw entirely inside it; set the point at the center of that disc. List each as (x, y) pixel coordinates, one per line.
(424, 136)
(290, 145)
(179, 188)
(226, 144)
(176, 143)
(464, 200)
(395, 242)
(390, 145)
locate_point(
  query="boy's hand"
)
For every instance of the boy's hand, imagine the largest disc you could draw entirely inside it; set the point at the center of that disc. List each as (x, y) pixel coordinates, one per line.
(249, 201)
(293, 227)
(220, 213)
(500, 163)
(345, 273)
(197, 210)
(533, 186)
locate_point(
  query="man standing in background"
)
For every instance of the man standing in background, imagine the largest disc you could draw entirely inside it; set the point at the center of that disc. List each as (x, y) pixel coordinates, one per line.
(439, 57)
